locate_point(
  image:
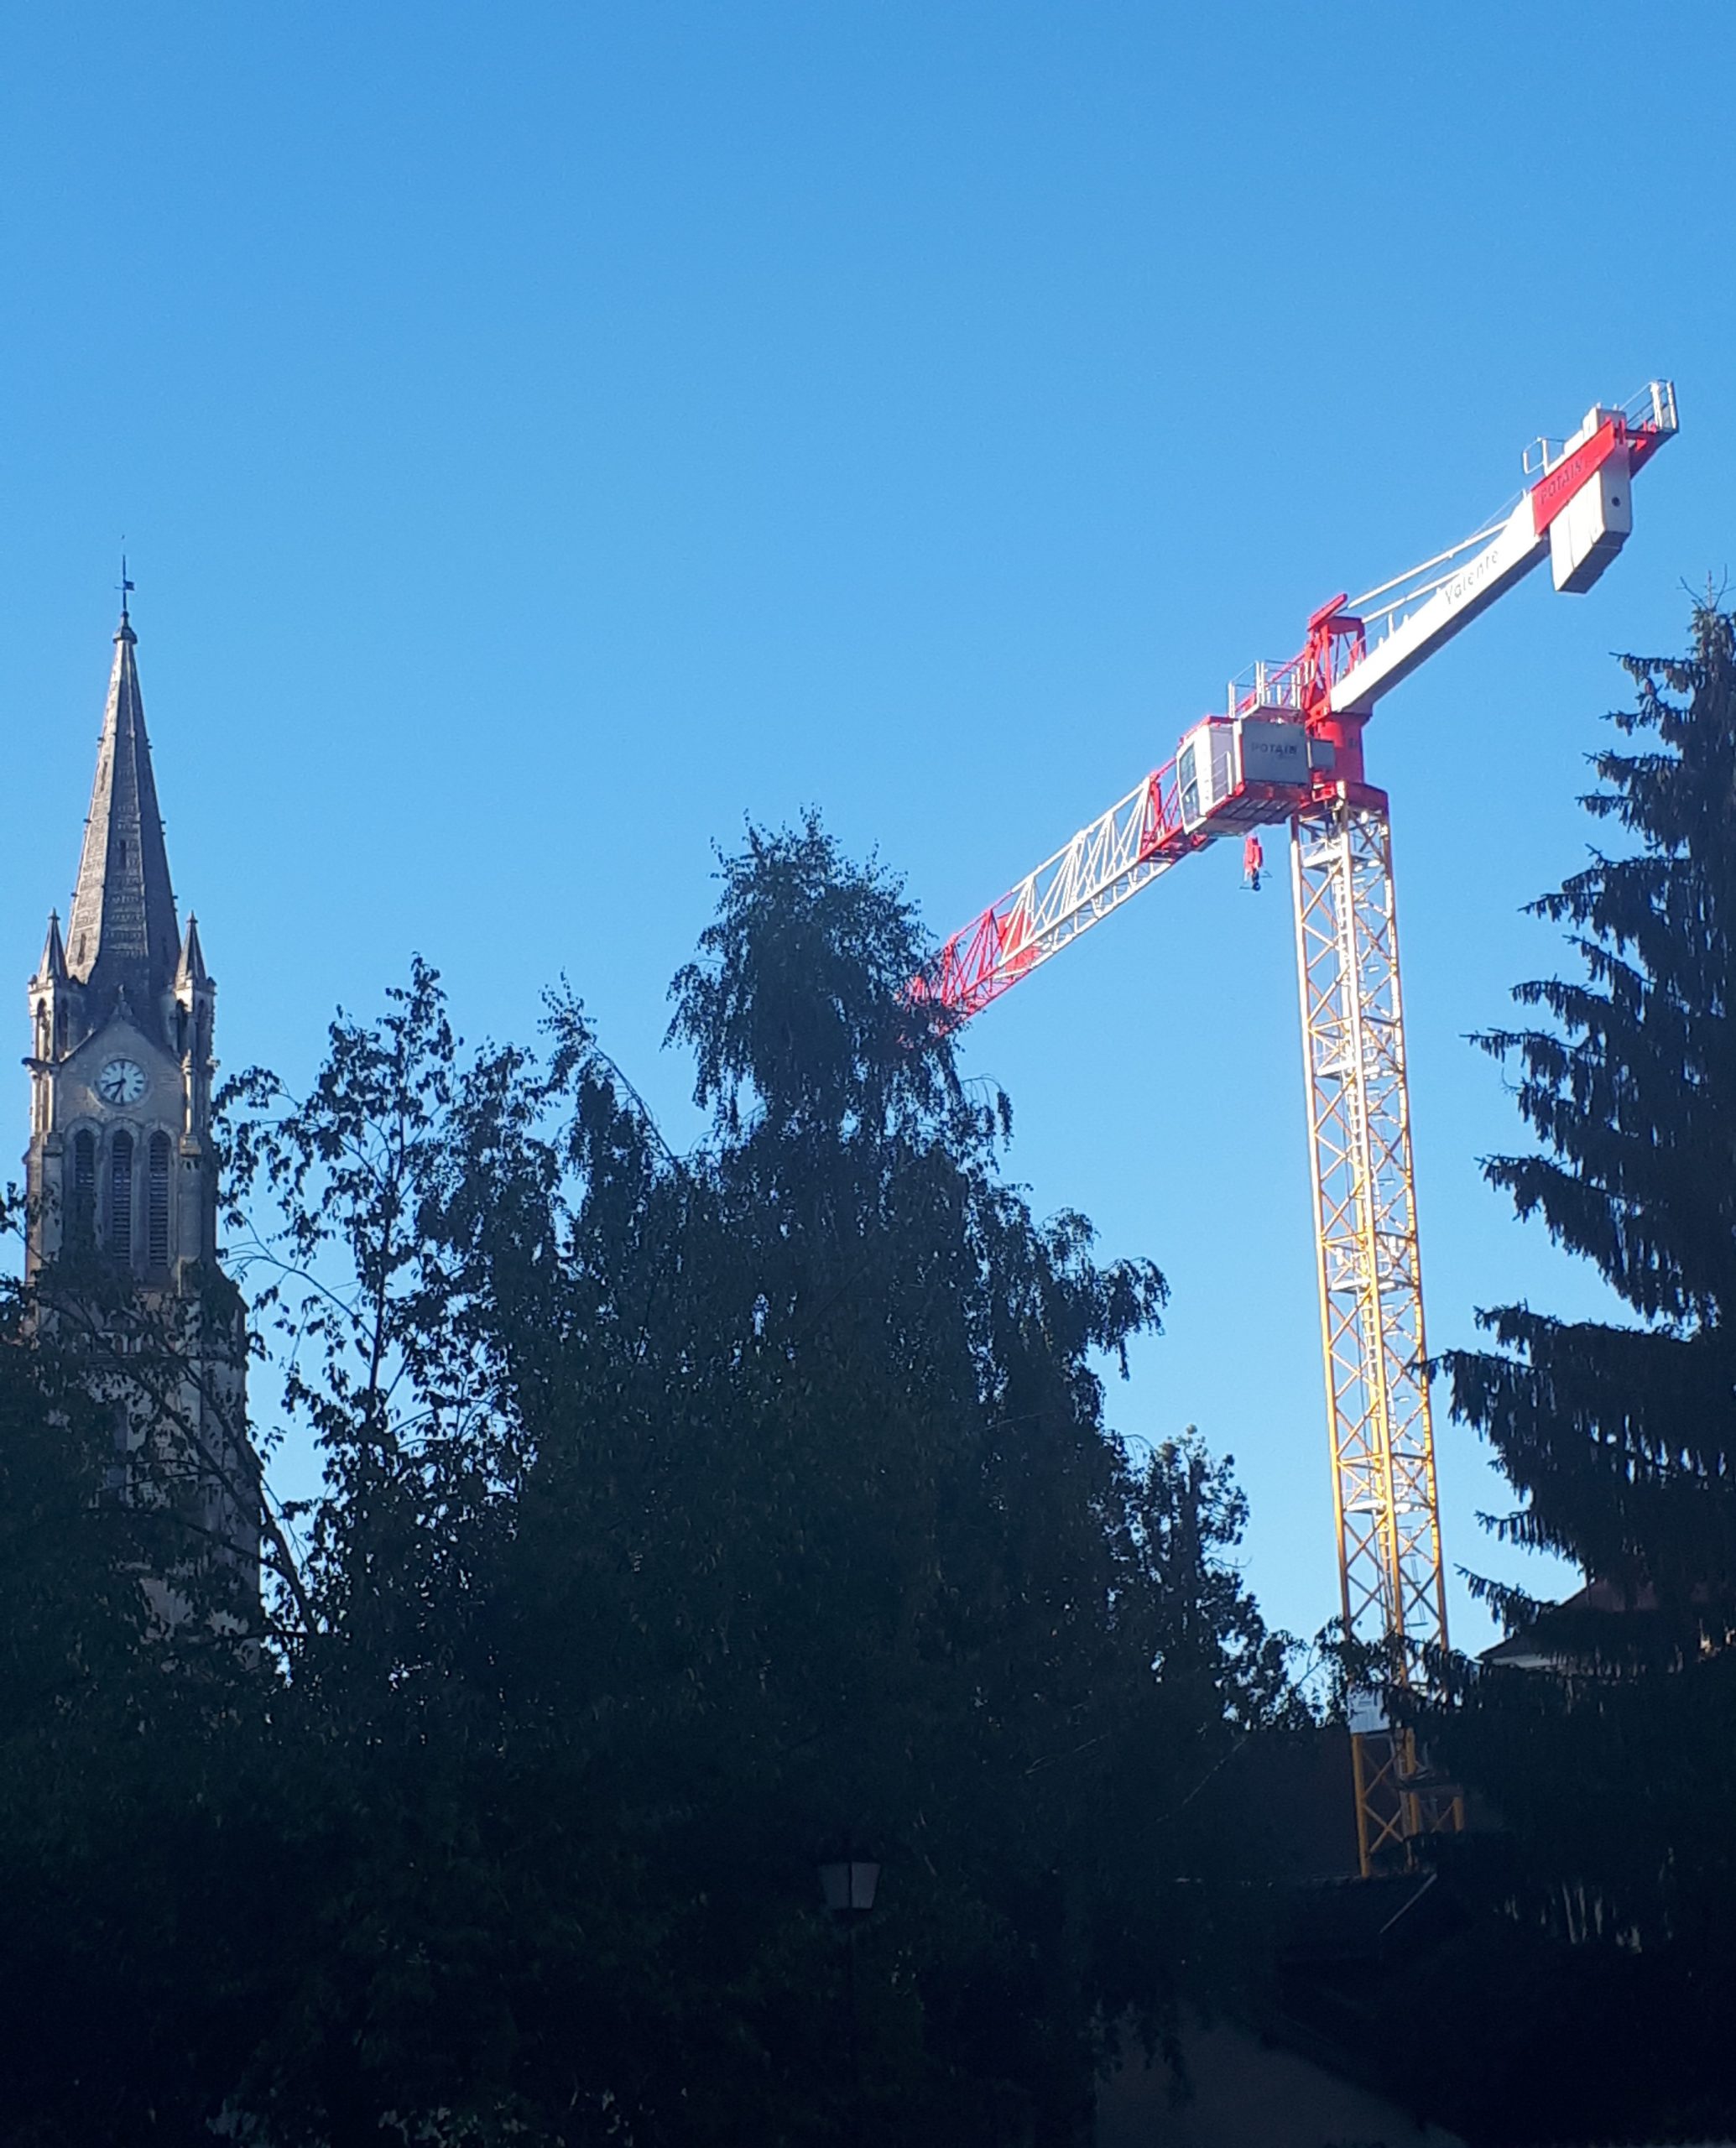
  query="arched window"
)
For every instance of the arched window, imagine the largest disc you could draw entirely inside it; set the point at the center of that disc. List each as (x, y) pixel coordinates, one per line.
(156, 1228)
(120, 1197)
(83, 1219)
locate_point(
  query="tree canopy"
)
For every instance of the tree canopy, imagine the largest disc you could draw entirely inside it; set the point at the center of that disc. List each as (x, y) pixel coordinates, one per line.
(688, 1520)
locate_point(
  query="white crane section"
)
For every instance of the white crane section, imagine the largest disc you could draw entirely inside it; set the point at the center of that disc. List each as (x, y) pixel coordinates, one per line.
(1139, 837)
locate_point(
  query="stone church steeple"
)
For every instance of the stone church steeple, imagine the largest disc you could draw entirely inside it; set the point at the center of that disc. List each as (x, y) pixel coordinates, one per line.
(121, 1012)
(120, 1166)
(123, 942)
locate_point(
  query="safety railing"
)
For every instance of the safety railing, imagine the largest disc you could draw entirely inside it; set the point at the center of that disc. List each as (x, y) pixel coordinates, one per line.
(1652, 410)
(1265, 684)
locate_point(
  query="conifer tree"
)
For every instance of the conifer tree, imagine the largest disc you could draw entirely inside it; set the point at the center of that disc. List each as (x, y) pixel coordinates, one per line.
(1621, 1436)
(1595, 1977)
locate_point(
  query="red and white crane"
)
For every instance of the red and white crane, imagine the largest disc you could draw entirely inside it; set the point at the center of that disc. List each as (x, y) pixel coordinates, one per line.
(1289, 748)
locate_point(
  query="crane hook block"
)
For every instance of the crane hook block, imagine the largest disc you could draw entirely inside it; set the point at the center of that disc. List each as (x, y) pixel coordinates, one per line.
(1254, 859)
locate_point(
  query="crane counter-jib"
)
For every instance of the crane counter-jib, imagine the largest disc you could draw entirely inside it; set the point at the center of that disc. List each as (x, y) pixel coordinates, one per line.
(1502, 563)
(1578, 514)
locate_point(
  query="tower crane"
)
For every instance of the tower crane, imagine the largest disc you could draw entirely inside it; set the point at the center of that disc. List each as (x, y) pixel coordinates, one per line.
(1288, 748)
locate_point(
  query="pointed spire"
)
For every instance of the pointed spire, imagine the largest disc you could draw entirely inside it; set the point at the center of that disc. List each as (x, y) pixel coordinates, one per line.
(123, 935)
(52, 968)
(192, 971)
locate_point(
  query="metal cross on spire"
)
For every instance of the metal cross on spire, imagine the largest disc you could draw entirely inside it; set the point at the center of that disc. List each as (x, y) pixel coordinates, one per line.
(125, 586)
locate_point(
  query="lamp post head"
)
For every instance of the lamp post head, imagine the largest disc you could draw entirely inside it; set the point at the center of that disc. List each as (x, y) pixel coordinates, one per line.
(849, 1884)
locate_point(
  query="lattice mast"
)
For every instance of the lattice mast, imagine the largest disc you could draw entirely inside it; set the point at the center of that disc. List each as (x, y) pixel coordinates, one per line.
(1387, 1514)
(1289, 748)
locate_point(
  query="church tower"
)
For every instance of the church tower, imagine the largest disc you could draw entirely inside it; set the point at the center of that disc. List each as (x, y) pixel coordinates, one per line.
(121, 1167)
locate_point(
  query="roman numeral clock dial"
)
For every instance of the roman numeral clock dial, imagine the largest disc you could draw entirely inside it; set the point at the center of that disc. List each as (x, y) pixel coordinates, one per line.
(121, 1082)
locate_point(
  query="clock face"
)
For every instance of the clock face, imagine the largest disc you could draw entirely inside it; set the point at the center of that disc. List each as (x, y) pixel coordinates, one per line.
(121, 1082)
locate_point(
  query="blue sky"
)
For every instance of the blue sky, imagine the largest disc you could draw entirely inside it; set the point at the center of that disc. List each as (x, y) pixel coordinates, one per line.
(545, 435)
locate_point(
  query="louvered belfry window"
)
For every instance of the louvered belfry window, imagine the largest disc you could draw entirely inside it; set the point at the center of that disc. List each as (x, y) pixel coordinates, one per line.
(83, 1218)
(157, 1204)
(120, 1197)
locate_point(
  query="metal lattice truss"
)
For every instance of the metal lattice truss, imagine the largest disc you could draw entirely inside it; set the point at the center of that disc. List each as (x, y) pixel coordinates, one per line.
(1388, 1512)
(1123, 851)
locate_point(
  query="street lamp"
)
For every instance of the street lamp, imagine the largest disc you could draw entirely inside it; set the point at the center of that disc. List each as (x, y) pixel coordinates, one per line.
(849, 1884)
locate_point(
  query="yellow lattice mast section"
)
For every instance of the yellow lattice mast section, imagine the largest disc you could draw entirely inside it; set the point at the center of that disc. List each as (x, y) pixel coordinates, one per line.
(1387, 1511)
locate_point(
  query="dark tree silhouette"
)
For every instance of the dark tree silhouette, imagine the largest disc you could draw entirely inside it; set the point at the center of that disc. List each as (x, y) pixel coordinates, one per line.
(1596, 1989)
(687, 1520)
